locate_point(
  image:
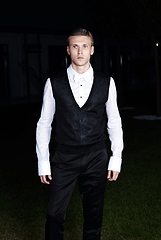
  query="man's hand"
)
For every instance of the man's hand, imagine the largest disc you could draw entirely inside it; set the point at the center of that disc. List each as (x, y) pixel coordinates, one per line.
(112, 175)
(44, 180)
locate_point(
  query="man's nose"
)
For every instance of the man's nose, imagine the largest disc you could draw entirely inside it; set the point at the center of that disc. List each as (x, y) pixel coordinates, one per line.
(79, 50)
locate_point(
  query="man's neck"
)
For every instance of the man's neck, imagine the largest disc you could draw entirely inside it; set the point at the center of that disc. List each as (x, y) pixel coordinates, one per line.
(81, 69)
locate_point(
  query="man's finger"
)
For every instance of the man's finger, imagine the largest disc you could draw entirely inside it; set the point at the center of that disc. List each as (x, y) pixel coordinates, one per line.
(43, 179)
(115, 175)
(49, 176)
(109, 174)
(112, 175)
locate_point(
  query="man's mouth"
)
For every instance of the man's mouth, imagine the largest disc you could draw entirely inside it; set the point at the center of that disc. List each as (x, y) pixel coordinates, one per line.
(79, 57)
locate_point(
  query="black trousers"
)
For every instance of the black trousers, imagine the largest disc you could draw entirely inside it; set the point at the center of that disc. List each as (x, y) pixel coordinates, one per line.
(90, 170)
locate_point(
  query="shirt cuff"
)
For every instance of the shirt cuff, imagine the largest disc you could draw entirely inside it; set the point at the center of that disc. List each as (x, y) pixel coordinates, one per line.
(44, 168)
(115, 164)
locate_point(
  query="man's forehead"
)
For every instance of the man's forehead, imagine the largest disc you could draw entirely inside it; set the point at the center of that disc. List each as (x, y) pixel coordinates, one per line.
(79, 40)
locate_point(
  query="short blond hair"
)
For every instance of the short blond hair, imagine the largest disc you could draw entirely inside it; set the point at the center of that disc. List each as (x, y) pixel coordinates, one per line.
(81, 32)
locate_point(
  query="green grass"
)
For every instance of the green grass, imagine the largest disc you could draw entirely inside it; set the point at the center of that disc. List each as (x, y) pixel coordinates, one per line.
(132, 208)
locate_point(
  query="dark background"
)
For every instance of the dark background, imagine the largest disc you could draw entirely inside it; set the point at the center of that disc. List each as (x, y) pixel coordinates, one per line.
(44, 15)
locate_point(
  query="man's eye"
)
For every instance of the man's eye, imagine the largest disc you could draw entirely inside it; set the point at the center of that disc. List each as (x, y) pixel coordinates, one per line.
(75, 46)
(85, 46)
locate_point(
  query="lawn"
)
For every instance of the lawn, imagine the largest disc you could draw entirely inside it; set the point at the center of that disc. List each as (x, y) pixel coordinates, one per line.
(132, 208)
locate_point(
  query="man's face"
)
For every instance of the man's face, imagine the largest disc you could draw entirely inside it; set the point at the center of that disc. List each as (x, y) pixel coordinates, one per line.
(80, 51)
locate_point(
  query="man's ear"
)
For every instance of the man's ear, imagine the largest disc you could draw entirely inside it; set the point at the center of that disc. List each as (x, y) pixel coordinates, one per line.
(68, 51)
(92, 50)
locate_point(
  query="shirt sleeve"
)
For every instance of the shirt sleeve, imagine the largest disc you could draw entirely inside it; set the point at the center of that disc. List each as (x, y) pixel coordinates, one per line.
(114, 128)
(43, 130)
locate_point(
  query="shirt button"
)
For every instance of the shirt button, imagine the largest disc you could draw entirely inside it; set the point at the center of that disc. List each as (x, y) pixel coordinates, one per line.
(80, 96)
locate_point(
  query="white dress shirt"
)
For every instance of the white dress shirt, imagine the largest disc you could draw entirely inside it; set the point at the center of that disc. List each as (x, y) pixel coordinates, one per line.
(81, 85)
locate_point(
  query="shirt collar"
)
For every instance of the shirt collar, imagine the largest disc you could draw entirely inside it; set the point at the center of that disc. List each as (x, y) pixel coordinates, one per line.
(75, 77)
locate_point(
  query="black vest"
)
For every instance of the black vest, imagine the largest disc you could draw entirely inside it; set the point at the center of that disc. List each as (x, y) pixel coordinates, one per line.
(80, 129)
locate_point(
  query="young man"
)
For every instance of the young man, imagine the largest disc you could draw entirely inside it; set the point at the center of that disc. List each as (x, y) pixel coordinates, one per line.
(83, 103)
